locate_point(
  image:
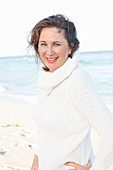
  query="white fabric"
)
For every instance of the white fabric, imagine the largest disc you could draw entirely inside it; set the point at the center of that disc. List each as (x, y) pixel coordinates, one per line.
(67, 108)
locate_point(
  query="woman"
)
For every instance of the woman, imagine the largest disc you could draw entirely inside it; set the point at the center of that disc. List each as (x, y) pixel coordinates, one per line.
(68, 104)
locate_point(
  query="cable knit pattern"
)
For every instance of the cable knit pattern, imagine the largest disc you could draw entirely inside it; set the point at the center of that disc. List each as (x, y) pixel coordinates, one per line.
(67, 108)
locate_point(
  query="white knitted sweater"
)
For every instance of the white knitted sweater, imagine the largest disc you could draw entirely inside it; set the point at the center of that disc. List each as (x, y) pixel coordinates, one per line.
(67, 108)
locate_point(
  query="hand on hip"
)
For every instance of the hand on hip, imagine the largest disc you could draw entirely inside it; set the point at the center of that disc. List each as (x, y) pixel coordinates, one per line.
(77, 166)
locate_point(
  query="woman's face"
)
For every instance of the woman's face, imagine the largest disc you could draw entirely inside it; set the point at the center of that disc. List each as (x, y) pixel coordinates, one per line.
(53, 48)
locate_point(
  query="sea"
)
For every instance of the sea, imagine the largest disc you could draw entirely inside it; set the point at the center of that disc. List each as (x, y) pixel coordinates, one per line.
(19, 74)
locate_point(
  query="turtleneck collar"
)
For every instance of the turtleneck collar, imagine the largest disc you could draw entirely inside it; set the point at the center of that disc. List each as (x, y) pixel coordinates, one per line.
(48, 80)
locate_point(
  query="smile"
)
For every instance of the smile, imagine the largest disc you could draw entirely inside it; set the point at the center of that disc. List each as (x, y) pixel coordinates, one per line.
(52, 60)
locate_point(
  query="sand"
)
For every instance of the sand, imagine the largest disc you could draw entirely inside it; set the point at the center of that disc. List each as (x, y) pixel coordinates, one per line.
(18, 135)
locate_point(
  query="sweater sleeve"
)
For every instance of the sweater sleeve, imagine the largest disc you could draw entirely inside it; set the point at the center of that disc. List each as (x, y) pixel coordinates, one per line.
(88, 103)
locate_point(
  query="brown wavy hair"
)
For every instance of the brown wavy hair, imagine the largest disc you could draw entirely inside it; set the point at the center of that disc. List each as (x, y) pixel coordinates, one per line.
(61, 22)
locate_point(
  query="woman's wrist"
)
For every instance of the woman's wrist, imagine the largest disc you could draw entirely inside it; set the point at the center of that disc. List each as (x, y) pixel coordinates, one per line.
(35, 156)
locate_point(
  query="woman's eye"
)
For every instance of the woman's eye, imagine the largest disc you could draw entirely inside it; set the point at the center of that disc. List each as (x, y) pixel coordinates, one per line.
(57, 44)
(43, 44)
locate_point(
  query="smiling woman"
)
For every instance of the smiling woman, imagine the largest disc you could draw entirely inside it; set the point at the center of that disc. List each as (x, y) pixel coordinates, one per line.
(53, 48)
(53, 38)
(68, 105)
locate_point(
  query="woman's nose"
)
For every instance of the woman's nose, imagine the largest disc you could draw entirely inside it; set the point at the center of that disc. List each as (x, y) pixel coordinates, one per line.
(49, 51)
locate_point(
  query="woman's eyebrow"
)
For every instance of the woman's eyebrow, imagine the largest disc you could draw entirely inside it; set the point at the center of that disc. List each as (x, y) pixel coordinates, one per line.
(58, 41)
(53, 42)
(42, 41)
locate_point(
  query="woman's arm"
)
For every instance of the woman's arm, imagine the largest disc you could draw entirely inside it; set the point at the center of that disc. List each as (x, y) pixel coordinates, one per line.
(88, 102)
(77, 166)
(35, 164)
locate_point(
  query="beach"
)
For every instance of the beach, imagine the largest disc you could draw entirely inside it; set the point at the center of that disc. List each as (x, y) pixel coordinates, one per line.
(18, 134)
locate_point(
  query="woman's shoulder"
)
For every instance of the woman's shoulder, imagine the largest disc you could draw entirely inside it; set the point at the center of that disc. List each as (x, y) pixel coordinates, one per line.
(81, 80)
(80, 75)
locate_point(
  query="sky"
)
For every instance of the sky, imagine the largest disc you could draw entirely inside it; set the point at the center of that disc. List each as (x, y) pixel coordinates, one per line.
(92, 18)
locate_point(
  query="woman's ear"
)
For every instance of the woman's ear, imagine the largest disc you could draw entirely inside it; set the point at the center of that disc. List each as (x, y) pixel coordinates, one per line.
(71, 47)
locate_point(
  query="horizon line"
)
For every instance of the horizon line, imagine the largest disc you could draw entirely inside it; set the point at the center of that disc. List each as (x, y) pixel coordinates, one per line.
(24, 55)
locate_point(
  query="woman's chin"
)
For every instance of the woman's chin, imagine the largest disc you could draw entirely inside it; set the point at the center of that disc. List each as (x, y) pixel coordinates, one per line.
(51, 68)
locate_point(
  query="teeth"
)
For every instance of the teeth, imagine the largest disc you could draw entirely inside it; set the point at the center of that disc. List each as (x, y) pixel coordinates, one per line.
(52, 59)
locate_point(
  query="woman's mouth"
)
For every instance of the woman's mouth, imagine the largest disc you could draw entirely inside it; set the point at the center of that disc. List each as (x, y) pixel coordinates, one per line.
(52, 60)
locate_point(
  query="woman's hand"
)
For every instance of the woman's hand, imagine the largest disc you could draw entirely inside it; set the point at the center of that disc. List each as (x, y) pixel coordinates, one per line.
(77, 166)
(35, 164)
